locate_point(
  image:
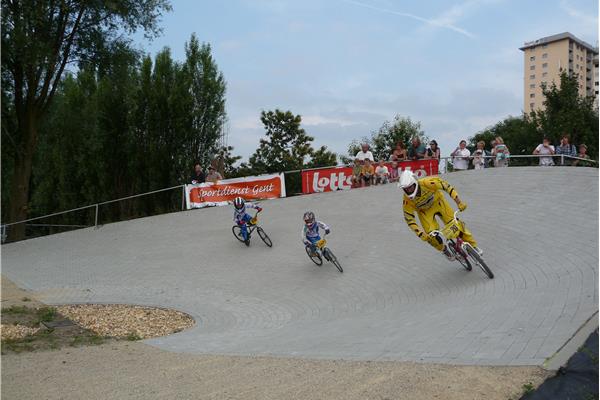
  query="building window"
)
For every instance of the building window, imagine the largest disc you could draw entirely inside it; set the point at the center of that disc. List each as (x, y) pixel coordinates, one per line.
(532, 86)
(531, 105)
(545, 55)
(531, 76)
(531, 67)
(545, 74)
(531, 95)
(545, 65)
(544, 46)
(532, 58)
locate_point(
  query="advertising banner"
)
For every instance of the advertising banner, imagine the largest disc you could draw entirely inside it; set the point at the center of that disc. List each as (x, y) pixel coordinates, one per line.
(220, 193)
(340, 178)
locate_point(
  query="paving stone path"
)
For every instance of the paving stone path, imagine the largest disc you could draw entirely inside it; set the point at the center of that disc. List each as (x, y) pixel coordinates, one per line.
(396, 300)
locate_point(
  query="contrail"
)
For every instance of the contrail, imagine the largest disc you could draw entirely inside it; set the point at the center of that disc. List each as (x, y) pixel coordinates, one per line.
(415, 17)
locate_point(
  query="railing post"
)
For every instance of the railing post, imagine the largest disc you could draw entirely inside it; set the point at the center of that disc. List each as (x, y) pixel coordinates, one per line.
(562, 159)
(182, 197)
(96, 218)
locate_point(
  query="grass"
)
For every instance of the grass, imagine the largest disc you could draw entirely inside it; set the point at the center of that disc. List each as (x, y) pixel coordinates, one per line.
(46, 314)
(16, 310)
(45, 338)
(528, 388)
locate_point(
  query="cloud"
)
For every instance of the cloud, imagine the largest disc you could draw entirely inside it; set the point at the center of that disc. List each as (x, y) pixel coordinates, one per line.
(446, 20)
(587, 21)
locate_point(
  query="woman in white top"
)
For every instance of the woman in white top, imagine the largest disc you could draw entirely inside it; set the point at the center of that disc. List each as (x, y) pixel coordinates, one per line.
(545, 149)
(460, 156)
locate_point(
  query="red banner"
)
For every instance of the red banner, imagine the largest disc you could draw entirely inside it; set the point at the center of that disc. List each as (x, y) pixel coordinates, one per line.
(340, 178)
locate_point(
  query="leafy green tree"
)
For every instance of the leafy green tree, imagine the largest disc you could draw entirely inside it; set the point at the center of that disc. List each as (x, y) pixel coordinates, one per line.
(518, 134)
(206, 104)
(383, 141)
(286, 146)
(39, 40)
(322, 157)
(226, 161)
(567, 113)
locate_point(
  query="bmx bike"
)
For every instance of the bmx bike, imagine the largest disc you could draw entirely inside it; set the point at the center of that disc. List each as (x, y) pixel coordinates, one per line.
(318, 251)
(462, 251)
(252, 226)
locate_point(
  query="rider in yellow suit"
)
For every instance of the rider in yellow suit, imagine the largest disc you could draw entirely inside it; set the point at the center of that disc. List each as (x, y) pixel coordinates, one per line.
(426, 198)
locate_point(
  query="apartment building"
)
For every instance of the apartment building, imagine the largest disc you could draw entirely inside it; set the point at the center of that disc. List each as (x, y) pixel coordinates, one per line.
(545, 58)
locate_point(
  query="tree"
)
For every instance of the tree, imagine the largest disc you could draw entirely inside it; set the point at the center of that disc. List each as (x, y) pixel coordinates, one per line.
(383, 142)
(39, 40)
(206, 103)
(566, 112)
(322, 157)
(226, 161)
(286, 147)
(518, 134)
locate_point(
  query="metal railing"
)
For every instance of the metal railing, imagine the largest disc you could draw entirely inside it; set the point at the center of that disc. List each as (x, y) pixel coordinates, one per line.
(96, 206)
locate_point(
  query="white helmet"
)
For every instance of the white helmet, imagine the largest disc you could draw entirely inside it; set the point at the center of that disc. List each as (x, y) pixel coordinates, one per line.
(408, 183)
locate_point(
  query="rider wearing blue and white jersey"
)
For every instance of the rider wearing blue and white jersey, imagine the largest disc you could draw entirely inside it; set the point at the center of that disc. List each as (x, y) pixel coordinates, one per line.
(240, 216)
(310, 231)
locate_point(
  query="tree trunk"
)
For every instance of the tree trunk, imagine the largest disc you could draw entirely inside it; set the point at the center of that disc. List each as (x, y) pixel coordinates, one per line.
(19, 190)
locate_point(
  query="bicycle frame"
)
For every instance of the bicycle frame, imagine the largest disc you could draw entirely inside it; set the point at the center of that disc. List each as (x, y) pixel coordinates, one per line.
(457, 242)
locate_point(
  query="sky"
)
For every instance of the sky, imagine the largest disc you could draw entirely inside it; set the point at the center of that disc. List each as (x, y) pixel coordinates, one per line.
(346, 66)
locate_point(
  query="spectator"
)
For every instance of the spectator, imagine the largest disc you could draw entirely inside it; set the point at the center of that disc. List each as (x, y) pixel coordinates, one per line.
(566, 149)
(460, 156)
(416, 150)
(356, 172)
(394, 176)
(545, 149)
(198, 175)
(213, 175)
(399, 153)
(500, 153)
(365, 153)
(582, 154)
(479, 155)
(433, 151)
(382, 174)
(367, 173)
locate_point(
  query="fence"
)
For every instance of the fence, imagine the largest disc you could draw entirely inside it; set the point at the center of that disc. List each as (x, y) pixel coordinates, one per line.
(95, 215)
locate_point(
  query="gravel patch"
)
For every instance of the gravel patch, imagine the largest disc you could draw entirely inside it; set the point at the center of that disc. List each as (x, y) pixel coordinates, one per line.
(12, 332)
(118, 320)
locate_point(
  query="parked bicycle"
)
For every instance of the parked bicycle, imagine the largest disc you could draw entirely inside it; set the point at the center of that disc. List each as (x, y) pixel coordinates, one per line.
(252, 226)
(319, 250)
(463, 252)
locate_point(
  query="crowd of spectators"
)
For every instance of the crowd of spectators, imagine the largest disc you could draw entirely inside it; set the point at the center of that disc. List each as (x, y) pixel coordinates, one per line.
(367, 171)
(498, 154)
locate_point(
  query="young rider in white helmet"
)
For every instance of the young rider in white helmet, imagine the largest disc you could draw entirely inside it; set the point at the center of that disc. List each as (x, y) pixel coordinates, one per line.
(425, 197)
(241, 217)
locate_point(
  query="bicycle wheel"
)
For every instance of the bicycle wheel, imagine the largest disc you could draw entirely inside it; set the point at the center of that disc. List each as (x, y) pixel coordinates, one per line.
(263, 235)
(459, 256)
(333, 259)
(479, 261)
(237, 233)
(316, 258)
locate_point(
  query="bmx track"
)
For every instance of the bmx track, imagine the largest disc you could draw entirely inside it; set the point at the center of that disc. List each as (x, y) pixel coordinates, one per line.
(397, 299)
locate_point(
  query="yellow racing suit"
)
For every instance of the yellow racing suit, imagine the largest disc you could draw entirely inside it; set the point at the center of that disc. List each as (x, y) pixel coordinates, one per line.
(428, 203)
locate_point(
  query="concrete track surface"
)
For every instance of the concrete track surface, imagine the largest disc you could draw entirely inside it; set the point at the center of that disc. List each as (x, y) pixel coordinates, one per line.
(397, 299)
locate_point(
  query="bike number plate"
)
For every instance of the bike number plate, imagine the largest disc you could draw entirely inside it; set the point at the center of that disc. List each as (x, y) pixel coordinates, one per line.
(452, 230)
